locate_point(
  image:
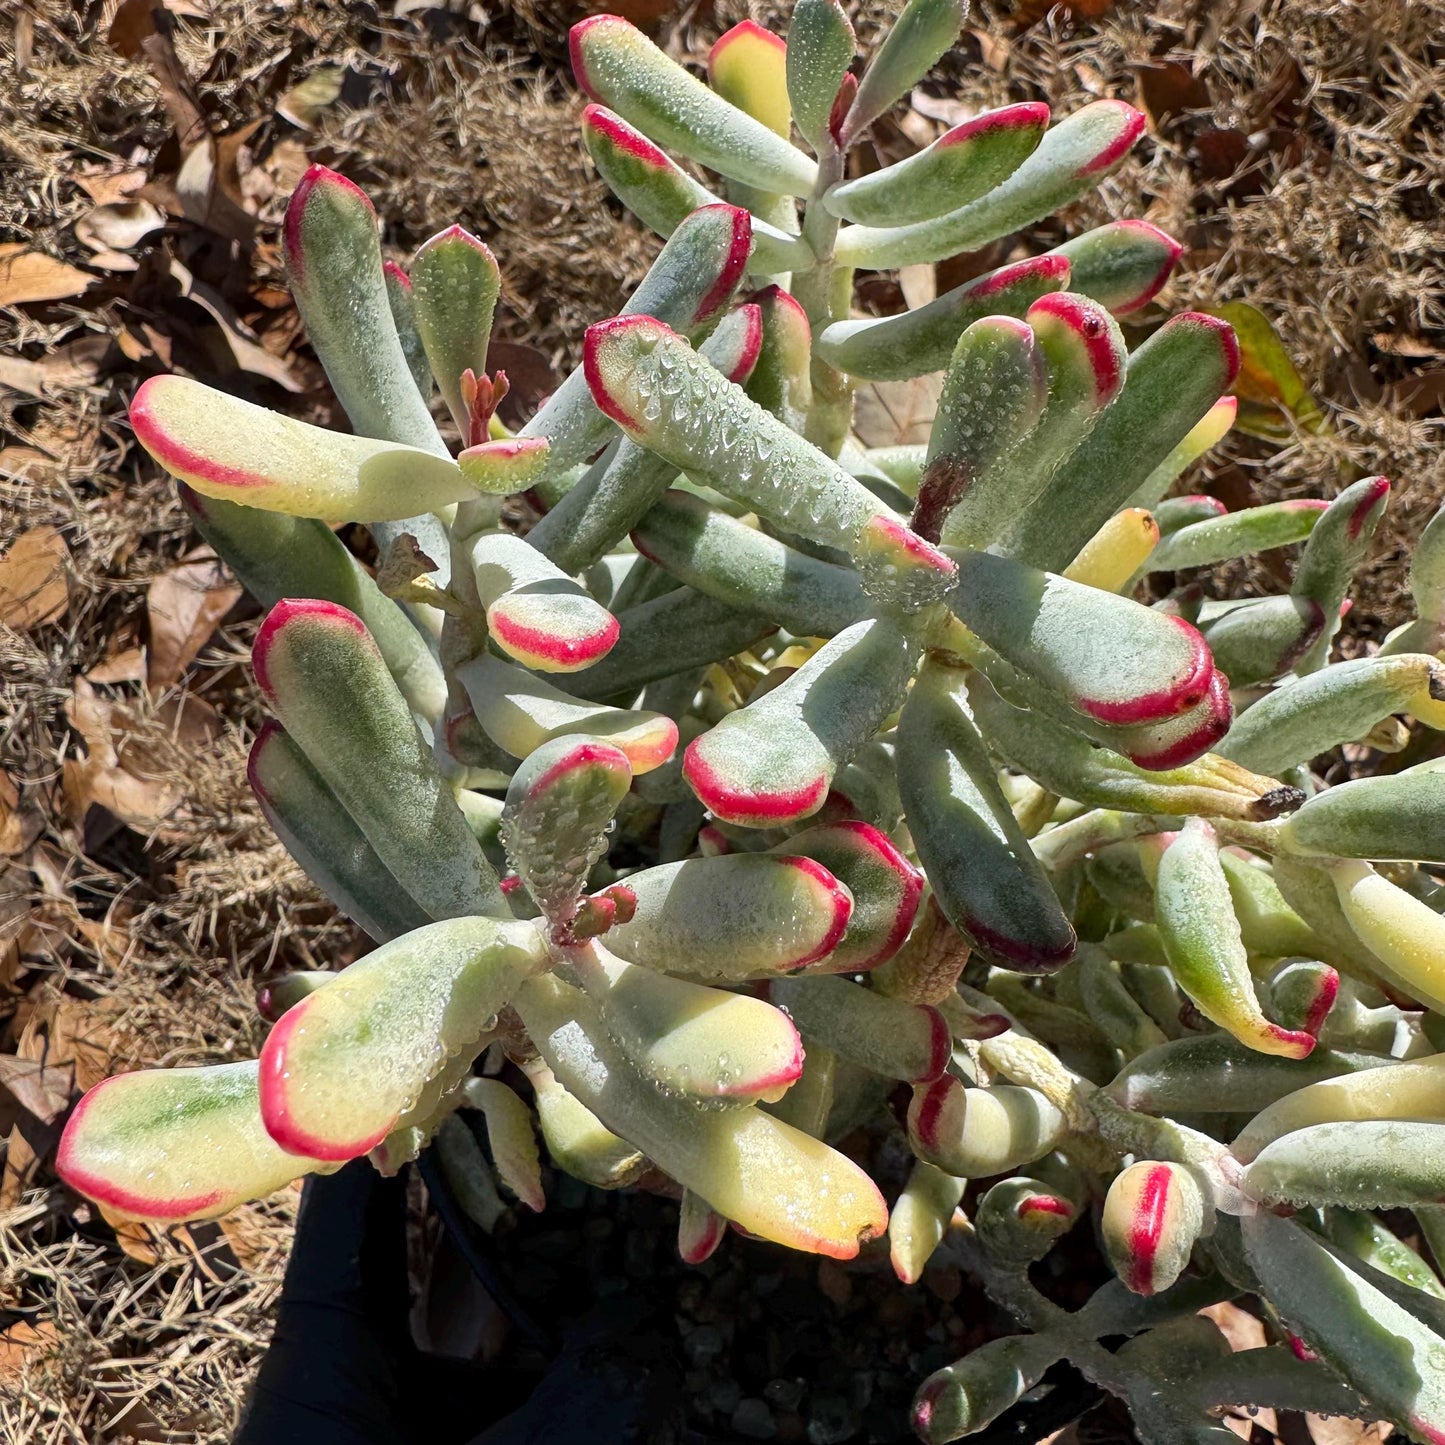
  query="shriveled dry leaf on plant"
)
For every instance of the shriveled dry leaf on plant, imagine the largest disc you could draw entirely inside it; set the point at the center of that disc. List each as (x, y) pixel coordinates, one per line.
(119, 225)
(896, 413)
(919, 284)
(24, 1343)
(946, 111)
(304, 104)
(27, 275)
(20, 826)
(33, 588)
(249, 354)
(183, 607)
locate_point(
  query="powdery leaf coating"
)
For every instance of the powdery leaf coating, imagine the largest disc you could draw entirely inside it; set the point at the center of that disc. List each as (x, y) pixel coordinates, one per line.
(960, 166)
(1122, 266)
(1405, 934)
(748, 67)
(976, 1133)
(1237, 534)
(1073, 157)
(702, 1042)
(726, 919)
(920, 1218)
(175, 1144)
(649, 381)
(767, 1177)
(620, 67)
(772, 761)
(234, 450)
(455, 284)
(392, 1019)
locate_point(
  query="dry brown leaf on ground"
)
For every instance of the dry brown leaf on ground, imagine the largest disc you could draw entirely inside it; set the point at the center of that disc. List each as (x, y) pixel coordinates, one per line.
(1243, 1331)
(142, 801)
(896, 413)
(107, 187)
(44, 1090)
(184, 607)
(23, 1343)
(27, 275)
(250, 355)
(304, 104)
(75, 364)
(20, 825)
(33, 585)
(118, 225)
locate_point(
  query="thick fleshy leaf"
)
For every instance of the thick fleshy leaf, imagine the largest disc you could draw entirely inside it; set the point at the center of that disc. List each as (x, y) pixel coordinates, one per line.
(960, 166)
(1105, 997)
(895, 348)
(1264, 637)
(917, 40)
(1301, 993)
(559, 807)
(1172, 380)
(1110, 658)
(1400, 816)
(690, 1039)
(1084, 357)
(324, 839)
(1427, 587)
(1308, 891)
(885, 886)
(578, 1141)
(977, 1133)
(1173, 514)
(886, 1036)
(1360, 1164)
(616, 64)
(456, 282)
(280, 994)
(1363, 1237)
(772, 761)
(1206, 951)
(619, 488)
(681, 629)
(1237, 534)
(1122, 266)
(748, 67)
(782, 381)
(232, 449)
(392, 1019)
(1113, 555)
(963, 1398)
(537, 614)
(700, 1229)
(520, 712)
(819, 51)
(737, 564)
(326, 681)
(509, 1134)
(1070, 765)
(648, 380)
(175, 1144)
(403, 315)
(1336, 547)
(1406, 935)
(1019, 1220)
(662, 195)
(982, 871)
(920, 1218)
(734, 917)
(334, 268)
(1271, 384)
(1216, 1074)
(1363, 1331)
(767, 1177)
(276, 556)
(688, 287)
(1397, 1091)
(1205, 433)
(1072, 158)
(994, 393)
(1153, 1214)
(1307, 717)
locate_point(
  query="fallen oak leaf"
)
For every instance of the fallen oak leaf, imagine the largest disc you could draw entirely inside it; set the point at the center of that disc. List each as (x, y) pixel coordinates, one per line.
(249, 354)
(184, 607)
(28, 276)
(33, 586)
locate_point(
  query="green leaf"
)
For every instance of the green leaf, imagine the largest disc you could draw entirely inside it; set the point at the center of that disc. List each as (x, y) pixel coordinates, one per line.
(1270, 388)
(820, 49)
(915, 43)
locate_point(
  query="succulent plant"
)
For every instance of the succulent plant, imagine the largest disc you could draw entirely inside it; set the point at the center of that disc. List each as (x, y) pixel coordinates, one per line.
(765, 778)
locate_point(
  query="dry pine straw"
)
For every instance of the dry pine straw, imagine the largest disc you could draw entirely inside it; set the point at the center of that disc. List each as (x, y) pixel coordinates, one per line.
(1328, 219)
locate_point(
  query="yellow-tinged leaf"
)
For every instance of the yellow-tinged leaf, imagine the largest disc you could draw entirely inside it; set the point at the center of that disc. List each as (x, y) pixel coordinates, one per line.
(748, 67)
(1268, 381)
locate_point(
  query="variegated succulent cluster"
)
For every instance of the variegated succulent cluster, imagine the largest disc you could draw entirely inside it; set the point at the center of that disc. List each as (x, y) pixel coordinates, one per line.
(766, 776)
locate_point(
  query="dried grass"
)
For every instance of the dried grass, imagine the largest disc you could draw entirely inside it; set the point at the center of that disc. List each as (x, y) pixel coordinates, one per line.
(1333, 228)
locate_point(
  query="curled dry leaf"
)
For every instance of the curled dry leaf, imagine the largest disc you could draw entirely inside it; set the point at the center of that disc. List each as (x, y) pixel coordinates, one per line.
(184, 607)
(27, 276)
(33, 586)
(118, 225)
(250, 355)
(304, 104)
(20, 826)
